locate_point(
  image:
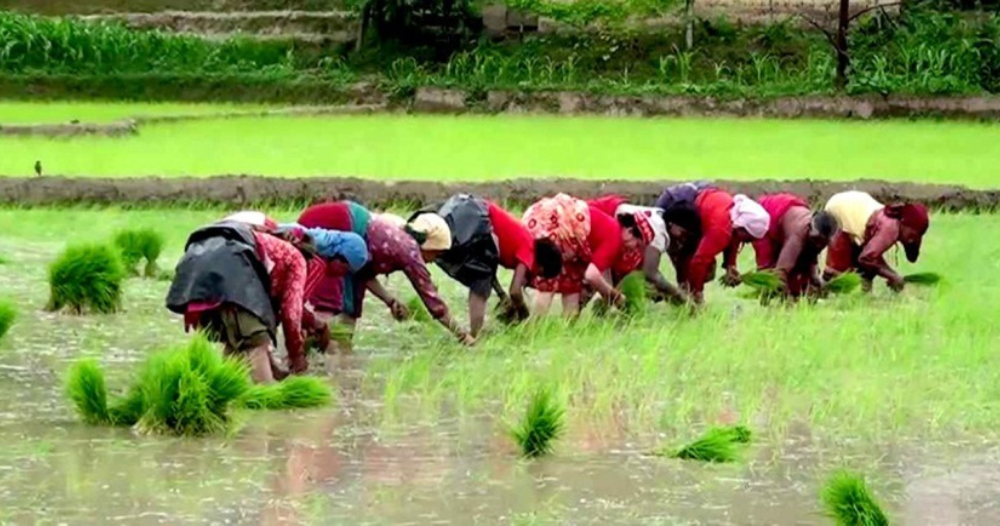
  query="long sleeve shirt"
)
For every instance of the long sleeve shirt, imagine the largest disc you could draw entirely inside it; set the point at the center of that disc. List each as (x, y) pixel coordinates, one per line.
(393, 250)
(881, 234)
(292, 280)
(716, 236)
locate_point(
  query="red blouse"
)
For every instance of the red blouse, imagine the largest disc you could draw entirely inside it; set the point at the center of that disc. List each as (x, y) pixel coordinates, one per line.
(514, 242)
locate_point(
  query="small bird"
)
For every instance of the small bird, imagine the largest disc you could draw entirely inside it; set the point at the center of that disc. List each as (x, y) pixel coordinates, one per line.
(38, 168)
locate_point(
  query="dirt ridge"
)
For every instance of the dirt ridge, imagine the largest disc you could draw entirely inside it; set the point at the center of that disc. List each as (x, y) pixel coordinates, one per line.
(246, 191)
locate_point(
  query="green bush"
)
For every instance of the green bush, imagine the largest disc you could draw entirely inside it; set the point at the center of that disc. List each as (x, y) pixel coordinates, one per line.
(8, 313)
(138, 245)
(87, 276)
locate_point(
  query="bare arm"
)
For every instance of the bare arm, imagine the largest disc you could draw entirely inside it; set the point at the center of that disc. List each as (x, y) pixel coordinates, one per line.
(651, 269)
(379, 291)
(595, 278)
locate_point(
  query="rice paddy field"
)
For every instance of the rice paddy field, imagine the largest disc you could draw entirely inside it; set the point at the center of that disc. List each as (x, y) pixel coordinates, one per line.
(904, 389)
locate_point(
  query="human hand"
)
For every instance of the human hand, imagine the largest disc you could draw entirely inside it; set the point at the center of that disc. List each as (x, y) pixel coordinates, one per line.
(398, 310)
(732, 277)
(897, 283)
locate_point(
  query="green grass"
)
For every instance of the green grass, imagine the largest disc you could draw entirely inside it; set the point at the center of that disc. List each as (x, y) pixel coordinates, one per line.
(8, 313)
(454, 148)
(62, 112)
(849, 502)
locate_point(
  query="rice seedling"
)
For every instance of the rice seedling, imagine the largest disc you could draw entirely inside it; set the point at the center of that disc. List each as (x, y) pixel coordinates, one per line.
(8, 313)
(542, 423)
(418, 312)
(137, 245)
(844, 283)
(923, 278)
(633, 286)
(86, 388)
(849, 502)
(294, 392)
(737, 433)
(764, 281)
(713, 446)
(86, 276)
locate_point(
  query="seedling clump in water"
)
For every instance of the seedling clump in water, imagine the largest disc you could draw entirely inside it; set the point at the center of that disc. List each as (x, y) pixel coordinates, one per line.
(717, 445)
(542, 424)
(87, 276)
(190, 391)
(137, 245)
(849, 503)
(8, 313)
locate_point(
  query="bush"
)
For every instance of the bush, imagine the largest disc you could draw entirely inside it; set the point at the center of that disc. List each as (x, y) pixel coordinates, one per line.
(137, 245)
(8, 313)
(87, 276)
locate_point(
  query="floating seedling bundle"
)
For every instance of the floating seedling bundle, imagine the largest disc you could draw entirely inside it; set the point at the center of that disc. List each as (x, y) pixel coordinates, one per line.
(540, 426)
(138, 245)
(849, 502)
(719, 444)
(87, 276)
(191, 390)
(8, 313)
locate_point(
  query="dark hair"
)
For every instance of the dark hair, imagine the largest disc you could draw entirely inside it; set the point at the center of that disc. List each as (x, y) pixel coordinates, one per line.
(684, 215)
(548, 258)
(825, 223)
(627, 221)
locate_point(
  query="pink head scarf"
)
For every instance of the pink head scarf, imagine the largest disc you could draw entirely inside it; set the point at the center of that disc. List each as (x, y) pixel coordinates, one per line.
(749, 215)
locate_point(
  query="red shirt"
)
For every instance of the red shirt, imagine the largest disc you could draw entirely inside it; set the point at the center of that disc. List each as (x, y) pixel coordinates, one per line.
(331, 216)
(713, 207)
(608, 204)
(515, 244)
(605, 239)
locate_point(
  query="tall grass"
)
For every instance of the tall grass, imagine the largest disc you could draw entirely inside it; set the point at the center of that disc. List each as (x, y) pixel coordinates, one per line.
(87, 276)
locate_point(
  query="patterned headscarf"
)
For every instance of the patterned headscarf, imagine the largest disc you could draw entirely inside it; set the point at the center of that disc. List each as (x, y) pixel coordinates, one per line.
(565, 220)
(749, 215)
(650, 223)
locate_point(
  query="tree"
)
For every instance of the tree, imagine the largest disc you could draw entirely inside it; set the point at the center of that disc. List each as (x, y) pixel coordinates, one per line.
(839, 39)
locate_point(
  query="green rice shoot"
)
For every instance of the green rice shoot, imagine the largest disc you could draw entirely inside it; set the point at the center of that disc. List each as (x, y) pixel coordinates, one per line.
(8, 314)
(541, 425)
(418, 312)
(86, 388)
(86, 276)
(718, 444)
(294, 392)
(844, 283)
(738, 433)
(764, 280)
(633, 286)
(137, 245)
(848, 502)
(923, 278)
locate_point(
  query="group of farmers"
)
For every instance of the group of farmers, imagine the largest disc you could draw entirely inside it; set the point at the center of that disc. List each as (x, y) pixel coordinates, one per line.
(243, 276)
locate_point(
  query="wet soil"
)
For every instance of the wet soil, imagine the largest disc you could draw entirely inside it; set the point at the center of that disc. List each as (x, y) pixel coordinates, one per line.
(249, 191)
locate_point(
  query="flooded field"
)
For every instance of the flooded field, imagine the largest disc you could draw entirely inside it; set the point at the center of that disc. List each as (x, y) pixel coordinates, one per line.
(904, 390)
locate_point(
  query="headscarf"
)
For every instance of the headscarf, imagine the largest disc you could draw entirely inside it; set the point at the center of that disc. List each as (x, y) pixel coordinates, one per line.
(392, 219)
(347, 245)
(915, 216)
(650, 222)
(250, 217)
(431, 231)
(563, 219)
(749, 215)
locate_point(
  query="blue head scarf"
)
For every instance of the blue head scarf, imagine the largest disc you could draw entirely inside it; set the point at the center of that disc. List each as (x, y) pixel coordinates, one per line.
(333, 243)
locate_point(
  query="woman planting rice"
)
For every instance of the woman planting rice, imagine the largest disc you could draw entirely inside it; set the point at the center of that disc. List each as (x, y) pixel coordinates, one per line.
(335, 294)
(794, 240)
(718, 223)
(590, 241)
(484, 237)
(229, 281)
(646, 256)
(868, 229)
(394, 249)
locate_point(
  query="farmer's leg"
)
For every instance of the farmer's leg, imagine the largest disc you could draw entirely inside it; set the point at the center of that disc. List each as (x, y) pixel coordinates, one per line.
(571, 304)
(248, 335)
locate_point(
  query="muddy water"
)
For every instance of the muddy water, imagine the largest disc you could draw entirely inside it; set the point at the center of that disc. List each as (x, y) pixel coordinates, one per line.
(346, 465)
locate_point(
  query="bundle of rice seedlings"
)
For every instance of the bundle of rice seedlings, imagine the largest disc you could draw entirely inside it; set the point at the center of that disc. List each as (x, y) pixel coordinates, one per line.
(923, 278)
(739, 434)
(85, 386)
(418, 312)
(844, 283)
(633, 286)
(8, 313)
(542, 423)
(137, 245)
(764, 280)
(86, 276)
(190, 391)
(714, 446)
(291, 393)
(849, 503)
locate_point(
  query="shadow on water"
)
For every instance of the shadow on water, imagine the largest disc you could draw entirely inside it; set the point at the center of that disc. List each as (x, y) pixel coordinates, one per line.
(344, 465)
